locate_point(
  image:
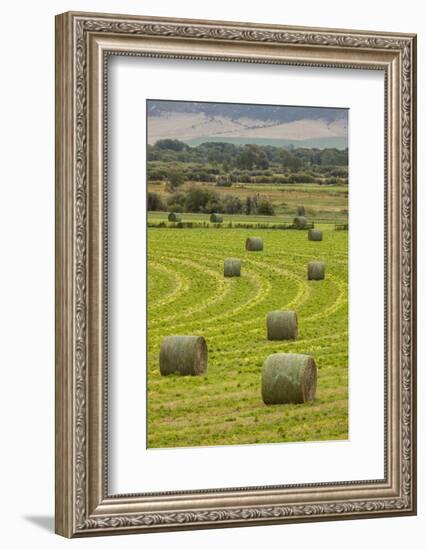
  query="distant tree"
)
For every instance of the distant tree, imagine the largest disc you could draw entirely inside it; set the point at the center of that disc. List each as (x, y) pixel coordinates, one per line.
(338, 172)
(176, 202)
(174, 180)
(261, 161)
(248, 205)
(322, 157)
(333, 157)
(173, 144)
(153, 153)
(289, 161)
(175, 207)
(154, 174)
(251, 156)
(229, 157)
(217, 151)
(223, 181)
(232, 205)
(246, 158)
(226, 166)
(265, 208)
(251, 204)
(213, 205)
(197, 199)
(154, 202)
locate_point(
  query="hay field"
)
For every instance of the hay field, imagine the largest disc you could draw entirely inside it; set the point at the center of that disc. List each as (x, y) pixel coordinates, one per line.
(189, 295)
(322, 200)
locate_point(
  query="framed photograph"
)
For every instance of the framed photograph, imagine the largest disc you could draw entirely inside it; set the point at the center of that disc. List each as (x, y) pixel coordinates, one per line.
(235, 274)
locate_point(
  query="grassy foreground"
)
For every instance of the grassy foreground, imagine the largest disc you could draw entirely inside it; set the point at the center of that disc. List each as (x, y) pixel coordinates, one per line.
(189, 295)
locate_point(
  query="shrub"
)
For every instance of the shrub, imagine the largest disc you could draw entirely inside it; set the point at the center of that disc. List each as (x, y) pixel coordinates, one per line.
(201, 200)
(201, 176)
(300, 178)
(176, 202)
(155, 175)
(174, 180)
(223, 181)
(174, 207)
(155, 202)
(213, 205)
(265, 208)
(172, 144)
(338, 173)
(232, 205)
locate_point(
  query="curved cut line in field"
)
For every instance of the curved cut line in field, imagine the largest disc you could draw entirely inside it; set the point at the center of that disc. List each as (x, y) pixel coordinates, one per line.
(208, 303)
(203, 305)
(267, 346)
(304, 291)
(181, 274)
(279, 344)
(181, 285)
(317, 250)
(339, 302)
(259, 296)
(337, 257)
(263, 287)
(235, 327)
(302, 294)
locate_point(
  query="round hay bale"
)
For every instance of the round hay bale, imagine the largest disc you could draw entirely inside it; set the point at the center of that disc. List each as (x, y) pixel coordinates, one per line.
(216, 218)
(174, 217)
(183, 354)
(231, 267)
(300, 211)
(300, 222)
(282, 325)
(288, 378)
(316, 271)
(315, 235)
(254, 243)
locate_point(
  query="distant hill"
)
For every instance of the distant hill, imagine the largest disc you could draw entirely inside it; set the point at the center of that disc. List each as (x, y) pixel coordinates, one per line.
(235, 111)
(197, 122)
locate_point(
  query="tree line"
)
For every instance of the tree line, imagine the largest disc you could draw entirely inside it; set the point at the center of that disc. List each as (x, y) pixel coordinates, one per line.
(200, 200)
(246, 157)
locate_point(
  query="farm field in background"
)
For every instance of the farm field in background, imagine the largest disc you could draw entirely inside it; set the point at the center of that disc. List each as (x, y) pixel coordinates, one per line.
(320, 201)
(200, 218)
(188, 294)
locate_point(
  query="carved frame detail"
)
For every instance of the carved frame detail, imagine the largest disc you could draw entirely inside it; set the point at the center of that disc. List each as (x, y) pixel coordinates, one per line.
(83, 506)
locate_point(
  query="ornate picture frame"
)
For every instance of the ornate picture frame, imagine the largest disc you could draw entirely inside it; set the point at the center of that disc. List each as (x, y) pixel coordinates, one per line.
(84, 42)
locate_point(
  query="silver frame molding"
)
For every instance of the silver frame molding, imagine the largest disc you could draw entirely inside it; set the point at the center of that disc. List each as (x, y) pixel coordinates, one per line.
(83, 43)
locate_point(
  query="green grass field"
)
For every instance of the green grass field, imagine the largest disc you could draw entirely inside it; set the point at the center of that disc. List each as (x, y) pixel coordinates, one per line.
(189, 295)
